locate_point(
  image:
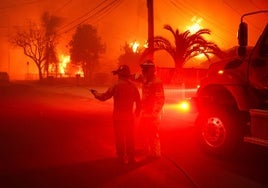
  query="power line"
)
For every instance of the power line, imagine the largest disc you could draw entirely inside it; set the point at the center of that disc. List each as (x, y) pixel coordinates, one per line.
(201, 13)
(103, 12)
(91, 14)
(19, 4)
(63, 5)
(253, 3)
(107, 11)
(182, 5)
(253, 24)
(84, 15)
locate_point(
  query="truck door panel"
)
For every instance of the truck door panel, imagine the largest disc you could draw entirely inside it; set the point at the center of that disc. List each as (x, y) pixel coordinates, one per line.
(258, 65)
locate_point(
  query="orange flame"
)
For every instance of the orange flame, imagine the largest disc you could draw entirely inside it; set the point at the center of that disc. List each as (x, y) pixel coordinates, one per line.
(196, 25)
(64, 61)
(134, 45)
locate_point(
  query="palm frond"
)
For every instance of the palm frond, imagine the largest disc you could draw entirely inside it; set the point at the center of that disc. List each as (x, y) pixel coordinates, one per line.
(186, 45)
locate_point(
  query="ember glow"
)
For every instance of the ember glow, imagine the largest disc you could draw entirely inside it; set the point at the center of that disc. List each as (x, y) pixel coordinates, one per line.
(196, 25)
(134, 45)
(220, 72)
(79, 72)
(137, 47)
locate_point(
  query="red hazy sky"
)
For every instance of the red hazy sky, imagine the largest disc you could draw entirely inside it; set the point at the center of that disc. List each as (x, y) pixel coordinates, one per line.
(120, 21)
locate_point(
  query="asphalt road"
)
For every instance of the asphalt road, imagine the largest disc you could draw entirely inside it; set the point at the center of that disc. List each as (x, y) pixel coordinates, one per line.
(59, 136)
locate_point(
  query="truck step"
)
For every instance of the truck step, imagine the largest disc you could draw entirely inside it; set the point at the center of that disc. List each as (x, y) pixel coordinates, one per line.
(255, 140)
(258, 123)
(259, 112)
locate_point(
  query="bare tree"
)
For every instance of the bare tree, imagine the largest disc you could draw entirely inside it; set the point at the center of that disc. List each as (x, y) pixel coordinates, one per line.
(38, 43)
(33, 43)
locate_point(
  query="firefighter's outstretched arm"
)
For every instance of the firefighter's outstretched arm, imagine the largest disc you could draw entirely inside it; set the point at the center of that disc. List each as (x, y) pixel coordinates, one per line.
(103, 96)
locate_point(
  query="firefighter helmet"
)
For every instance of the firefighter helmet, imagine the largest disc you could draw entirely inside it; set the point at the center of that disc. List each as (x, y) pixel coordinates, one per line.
(123, 70)
(147, 63)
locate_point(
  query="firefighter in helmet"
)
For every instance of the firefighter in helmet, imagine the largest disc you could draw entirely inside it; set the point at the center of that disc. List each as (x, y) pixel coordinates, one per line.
(127, 105)
(153, 99)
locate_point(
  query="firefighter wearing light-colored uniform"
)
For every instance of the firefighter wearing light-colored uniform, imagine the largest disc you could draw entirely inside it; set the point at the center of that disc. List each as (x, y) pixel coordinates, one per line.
(152, 103)
(125, 95)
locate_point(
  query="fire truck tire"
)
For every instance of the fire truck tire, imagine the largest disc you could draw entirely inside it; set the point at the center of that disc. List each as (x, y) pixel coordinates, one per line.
(219, 132)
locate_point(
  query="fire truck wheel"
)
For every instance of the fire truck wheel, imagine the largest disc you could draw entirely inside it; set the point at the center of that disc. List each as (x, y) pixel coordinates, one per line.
(219, 132)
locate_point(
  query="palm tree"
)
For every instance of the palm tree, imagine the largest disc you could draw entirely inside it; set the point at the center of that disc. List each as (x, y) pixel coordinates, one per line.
(186, 46)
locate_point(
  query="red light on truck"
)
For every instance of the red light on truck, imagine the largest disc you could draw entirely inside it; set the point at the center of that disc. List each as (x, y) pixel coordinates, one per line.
(184, 106)
(187, 106)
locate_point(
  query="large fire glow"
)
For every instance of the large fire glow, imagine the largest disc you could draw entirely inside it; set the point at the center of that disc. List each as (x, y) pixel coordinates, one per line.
(64, 68)
(196, 25)
(134, 45)
(64, 60)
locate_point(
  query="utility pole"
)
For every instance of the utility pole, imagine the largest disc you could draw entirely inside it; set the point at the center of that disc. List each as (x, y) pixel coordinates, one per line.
(27, 74)
(150, 6)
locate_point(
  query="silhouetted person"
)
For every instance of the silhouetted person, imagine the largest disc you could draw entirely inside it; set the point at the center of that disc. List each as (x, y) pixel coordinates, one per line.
(126, 96)
(153, 99)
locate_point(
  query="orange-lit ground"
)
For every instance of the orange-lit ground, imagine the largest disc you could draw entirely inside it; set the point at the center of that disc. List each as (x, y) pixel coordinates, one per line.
(59, 136)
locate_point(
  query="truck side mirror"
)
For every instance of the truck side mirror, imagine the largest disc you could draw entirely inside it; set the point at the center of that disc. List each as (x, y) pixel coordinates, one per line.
(243, 34)
(242, 39)
(242, 51)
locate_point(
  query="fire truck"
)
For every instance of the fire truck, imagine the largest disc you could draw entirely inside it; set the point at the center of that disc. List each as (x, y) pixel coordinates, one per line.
(232, 100)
